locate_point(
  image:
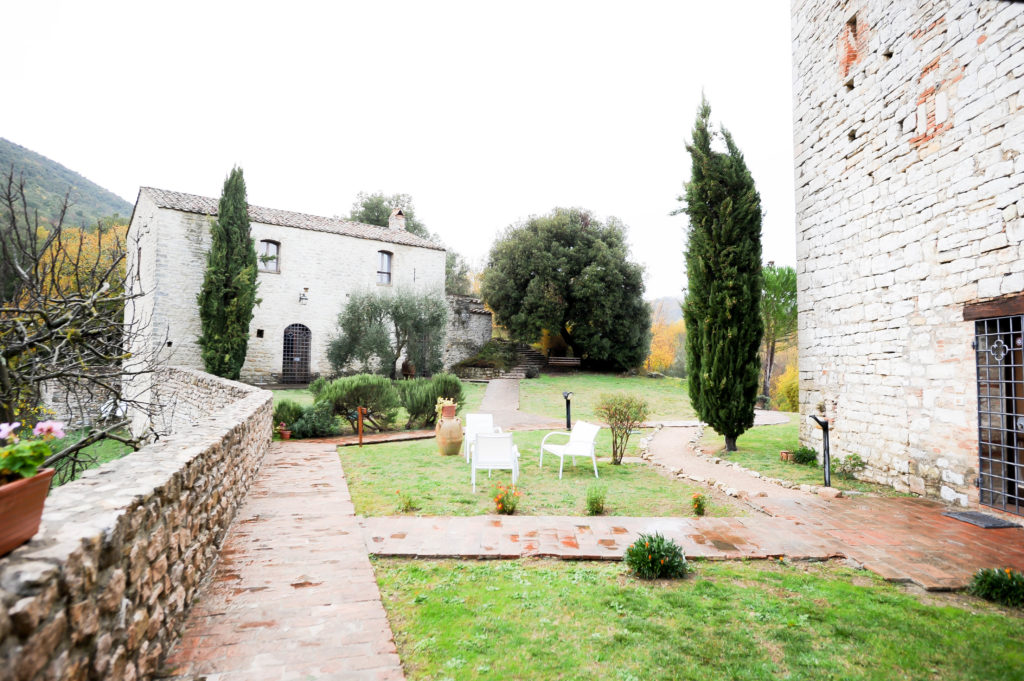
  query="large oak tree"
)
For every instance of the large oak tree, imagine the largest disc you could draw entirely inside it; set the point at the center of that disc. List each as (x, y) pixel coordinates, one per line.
(570, 274)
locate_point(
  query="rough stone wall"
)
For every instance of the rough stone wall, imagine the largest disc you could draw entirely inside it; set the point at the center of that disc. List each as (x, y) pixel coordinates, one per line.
(100, 592)
(325, 266)
(909, 148)
(469, 328)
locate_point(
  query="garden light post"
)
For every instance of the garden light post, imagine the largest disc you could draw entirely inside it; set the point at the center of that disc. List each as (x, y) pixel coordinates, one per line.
(825, 459)
(568, 410)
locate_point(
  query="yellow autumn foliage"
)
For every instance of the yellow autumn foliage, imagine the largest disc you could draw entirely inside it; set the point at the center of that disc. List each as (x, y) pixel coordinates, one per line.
(666, 340)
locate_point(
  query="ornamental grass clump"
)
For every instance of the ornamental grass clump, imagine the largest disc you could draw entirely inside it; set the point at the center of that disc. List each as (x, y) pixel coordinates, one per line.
(506, 499)
(596, 500)
(652, 556)
(1004, 586)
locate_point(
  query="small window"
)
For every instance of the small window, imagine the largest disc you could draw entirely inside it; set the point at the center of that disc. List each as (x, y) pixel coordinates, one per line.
(268, 256)
(384, 268)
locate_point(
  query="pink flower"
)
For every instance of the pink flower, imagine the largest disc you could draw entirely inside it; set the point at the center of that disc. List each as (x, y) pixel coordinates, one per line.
(48, 429)
(7, 431)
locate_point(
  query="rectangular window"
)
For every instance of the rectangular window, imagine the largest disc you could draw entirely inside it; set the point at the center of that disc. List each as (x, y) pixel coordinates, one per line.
(384, 268)
(269, 256)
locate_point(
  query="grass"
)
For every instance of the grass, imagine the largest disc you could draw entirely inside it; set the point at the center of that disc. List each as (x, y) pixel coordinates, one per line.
(667, 397)
(440, 485)
(539, 620)
(93, 456)
(758, 449)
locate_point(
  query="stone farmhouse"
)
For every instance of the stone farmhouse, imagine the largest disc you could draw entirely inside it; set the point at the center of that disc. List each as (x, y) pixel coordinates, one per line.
(909, 154)
(307, 266)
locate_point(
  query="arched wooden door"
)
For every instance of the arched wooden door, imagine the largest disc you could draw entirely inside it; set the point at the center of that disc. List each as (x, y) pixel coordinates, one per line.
(295, 359)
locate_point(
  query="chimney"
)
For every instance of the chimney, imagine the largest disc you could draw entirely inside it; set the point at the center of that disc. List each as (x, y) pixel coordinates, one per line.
(397, 219)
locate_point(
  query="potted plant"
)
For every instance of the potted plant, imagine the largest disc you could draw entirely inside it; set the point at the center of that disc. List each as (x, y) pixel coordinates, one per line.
(282, 430)
(23, 486)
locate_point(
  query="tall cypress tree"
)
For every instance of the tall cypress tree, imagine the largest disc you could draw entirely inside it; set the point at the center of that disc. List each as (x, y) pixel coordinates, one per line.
(723, 265)
(229, 286)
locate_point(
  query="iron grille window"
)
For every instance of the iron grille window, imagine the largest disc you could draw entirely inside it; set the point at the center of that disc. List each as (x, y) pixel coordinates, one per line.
(384, 267)
(999, 345)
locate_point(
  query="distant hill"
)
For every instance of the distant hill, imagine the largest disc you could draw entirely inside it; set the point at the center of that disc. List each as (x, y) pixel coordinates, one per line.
(670, 307)
(47, 181)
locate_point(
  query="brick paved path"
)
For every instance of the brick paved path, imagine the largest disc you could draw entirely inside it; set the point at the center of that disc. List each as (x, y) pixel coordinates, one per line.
(293, 595)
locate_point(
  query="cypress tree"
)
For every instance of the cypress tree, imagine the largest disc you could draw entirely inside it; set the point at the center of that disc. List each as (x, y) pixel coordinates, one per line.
(723, 265)
(229, 285)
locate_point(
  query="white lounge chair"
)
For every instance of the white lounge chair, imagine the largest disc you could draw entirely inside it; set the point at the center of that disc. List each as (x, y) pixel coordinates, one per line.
(581, 443)
(476, 424)
(495, 451)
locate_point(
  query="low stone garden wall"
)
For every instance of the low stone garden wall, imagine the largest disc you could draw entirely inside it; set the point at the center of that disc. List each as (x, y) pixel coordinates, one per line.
(101, 591)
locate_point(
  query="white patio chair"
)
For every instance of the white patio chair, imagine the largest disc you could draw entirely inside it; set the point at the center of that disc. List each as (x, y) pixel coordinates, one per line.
(581, 443)
(495, 451)
(476, 424)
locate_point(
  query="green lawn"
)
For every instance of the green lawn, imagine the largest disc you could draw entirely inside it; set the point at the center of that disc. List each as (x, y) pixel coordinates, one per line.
(540, 620)
(93, 456)
(667, 397)
(440, 485)
(303, 396)
(758, 449)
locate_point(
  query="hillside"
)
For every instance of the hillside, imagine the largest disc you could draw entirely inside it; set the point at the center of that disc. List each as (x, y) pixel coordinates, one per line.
(47, 181)
(670, 308)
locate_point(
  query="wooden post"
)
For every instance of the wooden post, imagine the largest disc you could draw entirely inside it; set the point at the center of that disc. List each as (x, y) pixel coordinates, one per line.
(360, 411)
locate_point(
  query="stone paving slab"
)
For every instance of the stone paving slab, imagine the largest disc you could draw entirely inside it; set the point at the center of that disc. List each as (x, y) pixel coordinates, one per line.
(293, 595)
(901, 539)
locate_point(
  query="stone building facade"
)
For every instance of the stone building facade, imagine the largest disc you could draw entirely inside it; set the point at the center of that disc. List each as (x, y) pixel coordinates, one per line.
(308, 265)
(909, 155)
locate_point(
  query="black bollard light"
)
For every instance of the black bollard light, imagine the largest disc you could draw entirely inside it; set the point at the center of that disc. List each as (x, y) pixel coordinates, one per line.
(825, 459)
(568, 410)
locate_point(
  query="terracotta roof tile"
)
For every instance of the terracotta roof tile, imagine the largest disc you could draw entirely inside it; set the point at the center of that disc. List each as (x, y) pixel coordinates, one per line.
(191, 203)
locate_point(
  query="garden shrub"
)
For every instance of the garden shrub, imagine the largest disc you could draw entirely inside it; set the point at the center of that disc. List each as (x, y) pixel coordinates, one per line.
(448, 386)
(287, 412)
(497, 353)
(317, 386)
(700, 503)
(805, 455)
(654, 557)
(1005, 586)
(596, 500)
(623, 414)
(377, 394)
(418, 399)
(532, 371)
(317, 420)
(848, 466)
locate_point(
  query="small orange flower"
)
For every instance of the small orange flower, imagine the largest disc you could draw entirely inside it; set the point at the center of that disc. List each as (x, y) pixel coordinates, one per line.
(648, 556)
(662, 561)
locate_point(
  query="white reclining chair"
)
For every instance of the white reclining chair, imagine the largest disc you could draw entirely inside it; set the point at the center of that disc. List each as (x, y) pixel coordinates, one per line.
(581, 443)
(476, 424)
(495, 451)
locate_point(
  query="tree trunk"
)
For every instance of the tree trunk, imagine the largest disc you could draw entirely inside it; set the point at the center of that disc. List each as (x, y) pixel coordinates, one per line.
(768, 368)
(730, 444)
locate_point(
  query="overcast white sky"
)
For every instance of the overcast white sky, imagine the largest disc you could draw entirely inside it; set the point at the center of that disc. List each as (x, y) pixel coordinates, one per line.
(485, 113)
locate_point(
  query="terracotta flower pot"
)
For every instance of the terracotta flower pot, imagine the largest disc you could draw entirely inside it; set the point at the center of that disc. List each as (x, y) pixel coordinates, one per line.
(785, 456)
(21, 507)
(285, 434)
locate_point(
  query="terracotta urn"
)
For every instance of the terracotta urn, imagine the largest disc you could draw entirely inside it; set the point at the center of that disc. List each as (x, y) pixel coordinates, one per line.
(449, 431)
(21, 507)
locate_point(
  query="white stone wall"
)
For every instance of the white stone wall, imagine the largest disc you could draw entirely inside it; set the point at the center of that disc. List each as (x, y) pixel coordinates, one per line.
(329, 265)
(909, 148)
(469, 328)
